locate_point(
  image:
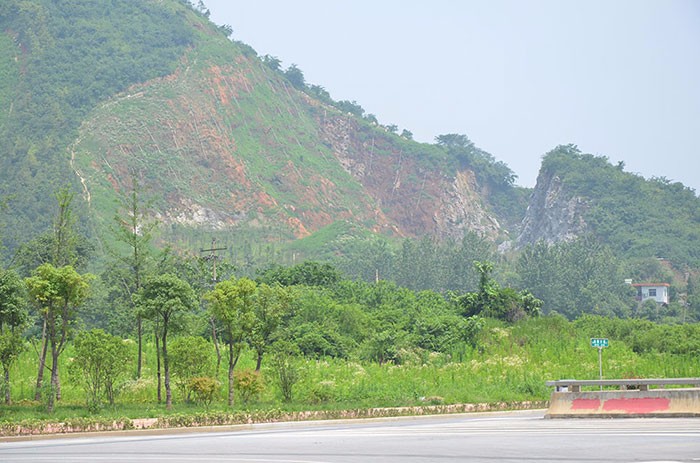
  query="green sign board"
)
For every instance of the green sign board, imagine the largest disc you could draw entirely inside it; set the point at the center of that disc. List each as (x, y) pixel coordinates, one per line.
(599, 342)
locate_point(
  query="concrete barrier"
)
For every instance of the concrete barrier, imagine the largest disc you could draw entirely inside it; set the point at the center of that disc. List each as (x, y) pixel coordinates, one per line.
(642, 402)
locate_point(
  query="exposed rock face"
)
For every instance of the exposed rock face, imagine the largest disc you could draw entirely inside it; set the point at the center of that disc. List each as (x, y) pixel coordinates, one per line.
(412, 199)
(552, 215)
(461, 210)
(195, 215)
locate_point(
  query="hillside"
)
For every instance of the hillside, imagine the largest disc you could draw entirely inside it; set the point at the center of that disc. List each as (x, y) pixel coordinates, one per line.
(221, 141)
(226, 144)
(579, 194)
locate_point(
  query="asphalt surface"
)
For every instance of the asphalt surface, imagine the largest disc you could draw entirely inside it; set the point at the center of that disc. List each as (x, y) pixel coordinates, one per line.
(483, 437)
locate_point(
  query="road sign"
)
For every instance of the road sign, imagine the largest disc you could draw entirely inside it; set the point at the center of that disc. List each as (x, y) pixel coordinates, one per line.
(599, 342)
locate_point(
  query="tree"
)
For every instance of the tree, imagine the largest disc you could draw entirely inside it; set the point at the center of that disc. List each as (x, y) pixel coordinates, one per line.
(271, 303)
(295, 76)
(163, 299)
(493, 301)
(65, 237)
(13, 318)
(231, 304)
(201, 273)
(308, 273)
(454, 140)
(272, 62)
(575, 277)
(135, 229)
(226, 29)
(381, 345)
(321, 93)
(57, 293)
(61, 250)
(350, 107)
(101, 359)
(191, 358)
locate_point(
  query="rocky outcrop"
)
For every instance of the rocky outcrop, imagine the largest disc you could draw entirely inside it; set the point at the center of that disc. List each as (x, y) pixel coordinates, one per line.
(415, 199)
(461, 210)
(553, 215)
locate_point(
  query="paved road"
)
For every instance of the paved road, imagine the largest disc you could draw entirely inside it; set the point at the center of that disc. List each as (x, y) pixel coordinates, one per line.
(487, 437)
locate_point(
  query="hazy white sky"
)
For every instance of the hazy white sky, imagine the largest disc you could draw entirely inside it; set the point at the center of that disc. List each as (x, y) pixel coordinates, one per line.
(619, 78)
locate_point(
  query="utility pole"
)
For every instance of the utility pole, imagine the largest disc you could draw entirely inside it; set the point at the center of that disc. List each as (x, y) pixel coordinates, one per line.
(212, 257)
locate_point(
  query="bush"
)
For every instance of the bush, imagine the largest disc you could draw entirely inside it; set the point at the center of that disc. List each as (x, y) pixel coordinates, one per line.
(204, 389)
(285, 367)
(249, 384)
(101, 360)
(322, 392)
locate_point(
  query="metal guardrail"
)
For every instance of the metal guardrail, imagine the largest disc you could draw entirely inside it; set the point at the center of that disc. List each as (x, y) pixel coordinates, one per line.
(575, 385)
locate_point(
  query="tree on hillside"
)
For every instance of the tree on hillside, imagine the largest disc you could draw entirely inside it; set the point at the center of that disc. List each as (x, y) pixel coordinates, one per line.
(231, 304)
(272, 62)
(163, 299)
(57, 293)
(13, 318)
(307, 273)
(351, 107)
(454, 140)
(487, 170)
(295, 76)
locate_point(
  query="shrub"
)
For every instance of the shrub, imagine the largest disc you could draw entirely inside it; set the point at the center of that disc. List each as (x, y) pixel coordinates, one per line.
(322, 392)
(285, 367)
(204, 389)
(249, 384)
(101, 360)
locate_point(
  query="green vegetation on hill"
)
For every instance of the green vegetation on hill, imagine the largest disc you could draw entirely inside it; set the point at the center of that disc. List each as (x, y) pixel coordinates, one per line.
(58, 61)
(634, 216)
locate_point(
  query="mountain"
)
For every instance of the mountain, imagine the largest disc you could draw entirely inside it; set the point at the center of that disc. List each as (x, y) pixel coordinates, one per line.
(222, 141)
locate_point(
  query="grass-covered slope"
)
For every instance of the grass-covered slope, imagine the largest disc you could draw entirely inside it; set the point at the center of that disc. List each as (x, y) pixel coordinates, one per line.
(220, 142)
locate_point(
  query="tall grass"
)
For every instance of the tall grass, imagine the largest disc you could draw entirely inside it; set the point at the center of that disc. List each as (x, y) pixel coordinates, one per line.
(510, 363)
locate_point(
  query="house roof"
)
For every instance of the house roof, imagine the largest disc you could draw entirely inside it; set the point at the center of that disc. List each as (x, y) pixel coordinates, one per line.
(650, 284)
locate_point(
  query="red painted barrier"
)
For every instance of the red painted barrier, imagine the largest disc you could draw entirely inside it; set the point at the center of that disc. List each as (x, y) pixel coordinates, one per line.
(640, 405)
(653, 403)
(586, 404)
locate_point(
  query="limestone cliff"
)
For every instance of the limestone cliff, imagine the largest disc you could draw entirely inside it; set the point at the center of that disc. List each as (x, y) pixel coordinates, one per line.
(553, 214)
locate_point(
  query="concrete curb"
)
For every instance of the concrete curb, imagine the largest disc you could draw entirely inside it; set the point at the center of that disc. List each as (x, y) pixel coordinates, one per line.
(157, 426)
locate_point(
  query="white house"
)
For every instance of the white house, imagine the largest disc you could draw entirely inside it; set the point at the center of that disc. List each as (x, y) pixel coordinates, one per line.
(656, 291)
